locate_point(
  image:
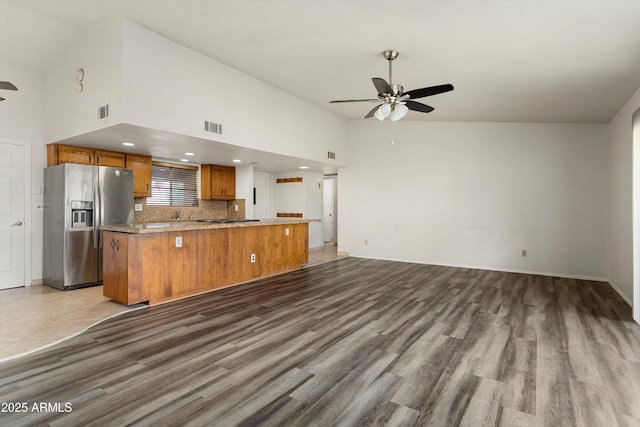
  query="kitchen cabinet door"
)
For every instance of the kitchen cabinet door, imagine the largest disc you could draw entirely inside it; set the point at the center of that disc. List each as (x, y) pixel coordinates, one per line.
(223, 183)
(217, 182)
(121, 277)
(205, 182)
(141, 166)
(109, 158)
(72, 154)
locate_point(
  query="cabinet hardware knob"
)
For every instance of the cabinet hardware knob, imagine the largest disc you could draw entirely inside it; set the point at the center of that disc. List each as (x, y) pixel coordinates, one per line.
(112, 244)
(118, 244)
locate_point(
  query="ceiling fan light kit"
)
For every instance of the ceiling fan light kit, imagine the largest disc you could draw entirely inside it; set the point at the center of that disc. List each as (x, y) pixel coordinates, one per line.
(395, 102)
(382, 112)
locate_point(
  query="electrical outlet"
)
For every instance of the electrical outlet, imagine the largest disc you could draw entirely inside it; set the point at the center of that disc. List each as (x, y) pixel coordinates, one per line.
(286, 231)
(178, 242)
(524, 253)
(253, 258)
(138, 207)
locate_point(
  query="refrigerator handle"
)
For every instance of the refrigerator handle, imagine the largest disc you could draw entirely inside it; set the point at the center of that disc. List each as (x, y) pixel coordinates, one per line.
(97, 215)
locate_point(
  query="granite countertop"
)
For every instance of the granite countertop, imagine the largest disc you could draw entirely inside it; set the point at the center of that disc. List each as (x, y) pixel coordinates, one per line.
(187, 225)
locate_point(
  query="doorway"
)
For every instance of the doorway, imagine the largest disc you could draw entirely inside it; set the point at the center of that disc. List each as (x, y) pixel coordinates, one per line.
(14, 181)
(329, 206)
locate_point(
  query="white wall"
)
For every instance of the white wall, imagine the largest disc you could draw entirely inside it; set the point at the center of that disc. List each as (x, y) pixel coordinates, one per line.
(98, 50)
(476, 194)
(22, 118)
(244, 188)
(621, 198)
(169, 87)
(314, 207)
(301, 197)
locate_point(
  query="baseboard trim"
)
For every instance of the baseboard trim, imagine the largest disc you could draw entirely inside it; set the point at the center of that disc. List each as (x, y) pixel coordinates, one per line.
(622, 295)
(476, 267)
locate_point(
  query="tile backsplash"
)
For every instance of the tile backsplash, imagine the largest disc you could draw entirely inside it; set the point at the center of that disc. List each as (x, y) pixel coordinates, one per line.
(206, 209)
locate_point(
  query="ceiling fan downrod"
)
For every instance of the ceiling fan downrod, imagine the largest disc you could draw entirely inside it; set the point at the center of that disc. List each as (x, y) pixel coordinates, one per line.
(390, 55)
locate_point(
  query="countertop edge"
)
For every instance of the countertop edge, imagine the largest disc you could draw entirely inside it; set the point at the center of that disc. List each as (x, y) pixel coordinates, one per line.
(191, 225)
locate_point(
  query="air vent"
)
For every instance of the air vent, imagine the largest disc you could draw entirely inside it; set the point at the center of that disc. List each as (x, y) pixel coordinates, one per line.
(103, 111)
(331, 154)
(212, 127)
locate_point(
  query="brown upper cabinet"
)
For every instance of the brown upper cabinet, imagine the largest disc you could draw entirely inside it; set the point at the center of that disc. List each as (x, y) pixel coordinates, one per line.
(141, 165)
(109, 158)
(58, 154)
(217, 182)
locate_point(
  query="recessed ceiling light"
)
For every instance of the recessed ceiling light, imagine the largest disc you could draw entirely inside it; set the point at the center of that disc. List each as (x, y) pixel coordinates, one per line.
(236, 161)
(184, 160)
(303, 167)
(128, 144)
(188, 154)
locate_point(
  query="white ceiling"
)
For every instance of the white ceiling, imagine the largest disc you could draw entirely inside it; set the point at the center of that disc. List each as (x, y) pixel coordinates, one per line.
(515, 60)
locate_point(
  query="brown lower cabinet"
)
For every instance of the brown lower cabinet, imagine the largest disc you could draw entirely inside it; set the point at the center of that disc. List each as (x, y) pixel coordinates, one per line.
(150, 268)
(121, 272)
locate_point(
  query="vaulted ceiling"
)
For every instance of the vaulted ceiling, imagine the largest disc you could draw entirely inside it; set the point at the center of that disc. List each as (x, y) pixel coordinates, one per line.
(528, 61)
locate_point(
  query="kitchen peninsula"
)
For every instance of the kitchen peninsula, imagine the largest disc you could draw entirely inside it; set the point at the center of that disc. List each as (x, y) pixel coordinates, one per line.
(160, 262)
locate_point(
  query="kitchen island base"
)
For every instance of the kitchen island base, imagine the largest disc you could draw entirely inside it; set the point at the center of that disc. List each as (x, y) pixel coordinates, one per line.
(165, 266)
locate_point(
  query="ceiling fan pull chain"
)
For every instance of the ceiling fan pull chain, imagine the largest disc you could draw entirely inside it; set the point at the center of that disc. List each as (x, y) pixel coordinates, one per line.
(393, 139)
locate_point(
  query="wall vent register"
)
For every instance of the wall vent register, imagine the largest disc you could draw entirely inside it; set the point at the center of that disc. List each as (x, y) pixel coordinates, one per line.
(212, 127)
(103, 111)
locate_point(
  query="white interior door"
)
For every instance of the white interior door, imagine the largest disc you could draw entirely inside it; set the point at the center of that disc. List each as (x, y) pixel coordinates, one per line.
(261, 191)
(328, 220)
(12, 215)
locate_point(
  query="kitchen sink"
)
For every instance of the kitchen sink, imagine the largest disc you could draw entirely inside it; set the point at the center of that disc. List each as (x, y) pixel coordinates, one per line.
(157, 225)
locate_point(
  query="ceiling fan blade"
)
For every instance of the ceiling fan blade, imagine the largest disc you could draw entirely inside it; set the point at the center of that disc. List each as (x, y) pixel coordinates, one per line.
(372, 112)
(381, 85)
(354, 100)
(419, 106)
(8, 86)
(428, 91)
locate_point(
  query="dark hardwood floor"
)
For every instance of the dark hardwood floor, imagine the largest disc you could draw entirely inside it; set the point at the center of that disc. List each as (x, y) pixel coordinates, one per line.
(350, 342)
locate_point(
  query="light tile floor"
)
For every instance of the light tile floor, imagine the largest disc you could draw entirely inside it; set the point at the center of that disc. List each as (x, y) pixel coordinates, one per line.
(36, 317)
(325, 254)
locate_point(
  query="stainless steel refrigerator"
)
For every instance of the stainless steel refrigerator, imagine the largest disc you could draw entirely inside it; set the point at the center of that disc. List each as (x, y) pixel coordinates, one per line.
(78, 199)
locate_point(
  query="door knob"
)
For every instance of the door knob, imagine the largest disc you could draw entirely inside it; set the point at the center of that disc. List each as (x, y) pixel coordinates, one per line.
(17, 224)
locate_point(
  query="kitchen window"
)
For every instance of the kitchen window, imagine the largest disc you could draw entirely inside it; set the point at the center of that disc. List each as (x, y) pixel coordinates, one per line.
(173, 185)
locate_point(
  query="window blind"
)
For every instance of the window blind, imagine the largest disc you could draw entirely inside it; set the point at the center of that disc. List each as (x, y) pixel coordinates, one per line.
(173, 186)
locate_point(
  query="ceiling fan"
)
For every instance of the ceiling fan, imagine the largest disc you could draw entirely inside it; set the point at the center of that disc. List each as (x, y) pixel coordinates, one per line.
(395, 102)
(7, 86)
